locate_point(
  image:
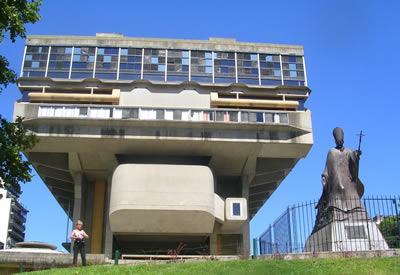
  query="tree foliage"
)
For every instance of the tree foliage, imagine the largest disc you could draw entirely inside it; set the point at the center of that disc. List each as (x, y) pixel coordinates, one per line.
(390, 228)
(13, 139)
(14, 14)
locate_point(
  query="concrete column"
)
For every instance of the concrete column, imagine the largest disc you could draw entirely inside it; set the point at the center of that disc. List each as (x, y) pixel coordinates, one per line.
(108, 235)
(245, 229)
(88, 204)
(98, 217)
(213, 244)
(78, 186)
(78, 190)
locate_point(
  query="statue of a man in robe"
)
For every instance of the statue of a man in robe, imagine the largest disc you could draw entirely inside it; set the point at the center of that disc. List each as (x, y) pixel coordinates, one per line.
(342, 189)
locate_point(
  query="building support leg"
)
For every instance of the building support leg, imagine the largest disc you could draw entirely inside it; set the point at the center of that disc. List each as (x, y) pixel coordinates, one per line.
(108, 235)
(78, 190)
(245, 229)
(98, 217)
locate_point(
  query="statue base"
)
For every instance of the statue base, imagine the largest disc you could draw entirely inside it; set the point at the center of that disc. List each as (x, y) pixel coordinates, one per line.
(346, 236)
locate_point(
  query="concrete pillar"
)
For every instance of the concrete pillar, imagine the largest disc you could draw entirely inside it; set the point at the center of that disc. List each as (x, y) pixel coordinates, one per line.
(108, 235)
(78, 192)
(245, 229)
(98, 217)
(88, 204)
(213, 244)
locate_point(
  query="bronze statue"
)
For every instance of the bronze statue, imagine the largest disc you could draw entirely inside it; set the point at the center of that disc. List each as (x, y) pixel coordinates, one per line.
(342, 189)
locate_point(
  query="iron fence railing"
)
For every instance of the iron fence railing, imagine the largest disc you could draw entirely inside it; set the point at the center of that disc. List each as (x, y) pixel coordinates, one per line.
(372, 223)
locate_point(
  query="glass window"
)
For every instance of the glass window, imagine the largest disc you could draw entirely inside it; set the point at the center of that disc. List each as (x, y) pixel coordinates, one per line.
(130, 64)
(60, 61)
(154, 64)
(247, 64)
(269, 117)
(83, 62)
(236, 211)
(178, 65)
(126, 113)
(292, 68)
(201, 64)
(224, 65)
(270, 69)
(107, 63)
(177, 115)
(35, 61)
(226, 116)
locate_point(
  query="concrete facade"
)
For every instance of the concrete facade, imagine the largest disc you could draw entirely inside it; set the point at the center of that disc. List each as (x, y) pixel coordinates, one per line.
(173, 155)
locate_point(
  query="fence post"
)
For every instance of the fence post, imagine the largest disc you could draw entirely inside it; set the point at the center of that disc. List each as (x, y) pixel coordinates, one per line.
(116, 257)
(254, 248)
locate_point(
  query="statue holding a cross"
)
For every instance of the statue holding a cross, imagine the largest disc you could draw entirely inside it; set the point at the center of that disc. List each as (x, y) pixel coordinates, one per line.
(342, 223)
(342, 188)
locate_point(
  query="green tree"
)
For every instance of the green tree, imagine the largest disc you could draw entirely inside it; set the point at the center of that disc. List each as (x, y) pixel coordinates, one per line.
(14, 14)
(390, 228)
(13, 139)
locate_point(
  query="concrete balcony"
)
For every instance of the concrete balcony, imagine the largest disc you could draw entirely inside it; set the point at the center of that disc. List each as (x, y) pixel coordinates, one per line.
(264, 145)
(17, 236)
(19, 226)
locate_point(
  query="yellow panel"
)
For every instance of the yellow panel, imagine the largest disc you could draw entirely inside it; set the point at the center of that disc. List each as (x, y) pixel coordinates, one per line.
(219, 244)
(54, 97)
(98, 217)
(261, 103)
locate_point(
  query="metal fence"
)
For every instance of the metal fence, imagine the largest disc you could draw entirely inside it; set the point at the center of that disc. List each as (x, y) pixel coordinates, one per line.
(374, 225)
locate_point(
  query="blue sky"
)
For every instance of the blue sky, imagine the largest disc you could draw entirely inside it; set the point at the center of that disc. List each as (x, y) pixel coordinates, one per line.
(352, 59)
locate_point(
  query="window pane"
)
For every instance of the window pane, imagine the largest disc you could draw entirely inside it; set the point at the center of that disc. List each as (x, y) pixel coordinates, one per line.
(236, 209)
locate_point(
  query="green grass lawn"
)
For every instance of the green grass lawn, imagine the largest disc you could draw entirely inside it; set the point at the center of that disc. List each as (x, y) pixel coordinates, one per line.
(309, 266)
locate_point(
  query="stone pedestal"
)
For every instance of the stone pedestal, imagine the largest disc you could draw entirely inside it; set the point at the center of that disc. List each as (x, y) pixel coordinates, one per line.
(346, 236)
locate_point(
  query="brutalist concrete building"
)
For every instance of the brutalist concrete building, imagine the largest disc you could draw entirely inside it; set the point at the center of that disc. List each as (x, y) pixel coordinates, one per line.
(157, 142)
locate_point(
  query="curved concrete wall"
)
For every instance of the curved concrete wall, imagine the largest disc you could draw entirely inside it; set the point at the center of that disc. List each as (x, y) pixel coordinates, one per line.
(152, 198)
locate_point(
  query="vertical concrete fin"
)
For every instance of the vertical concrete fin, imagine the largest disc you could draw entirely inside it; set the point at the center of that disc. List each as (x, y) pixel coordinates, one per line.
(98, 217)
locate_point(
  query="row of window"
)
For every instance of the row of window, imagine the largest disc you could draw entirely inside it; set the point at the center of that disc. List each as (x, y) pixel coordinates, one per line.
(163, 114)
(163, 65)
